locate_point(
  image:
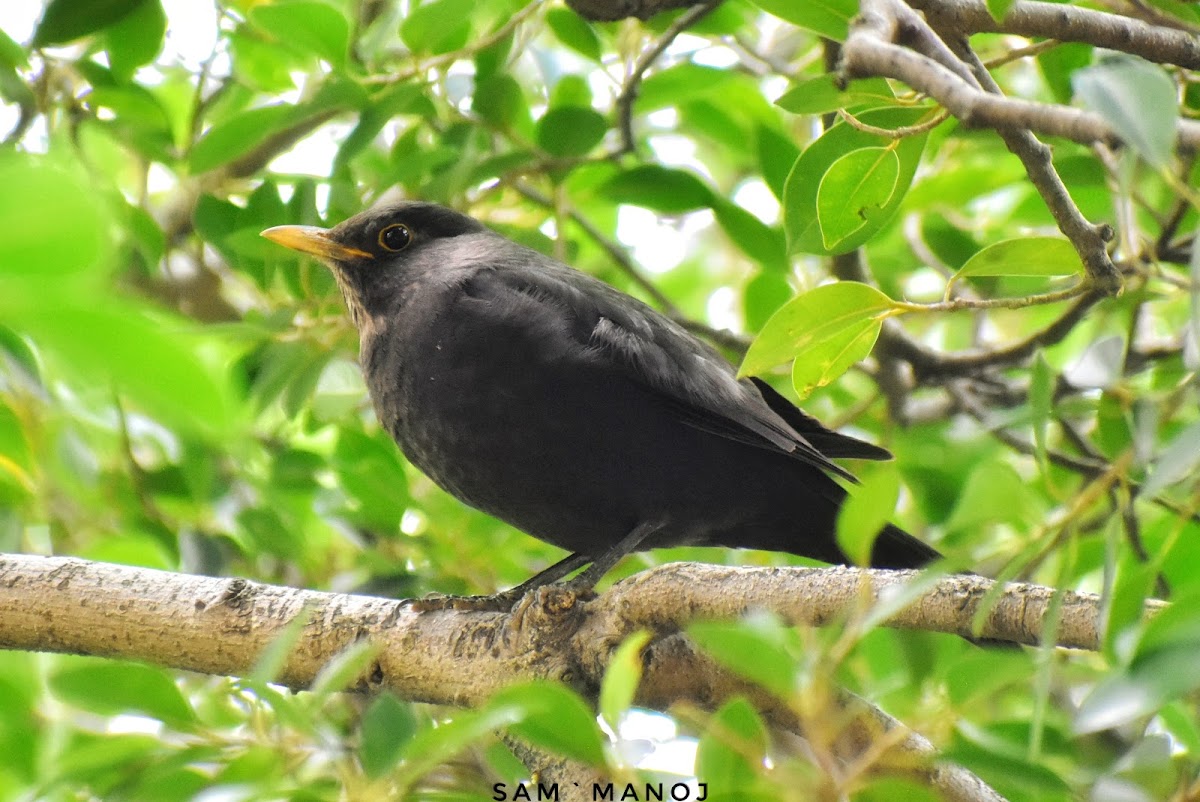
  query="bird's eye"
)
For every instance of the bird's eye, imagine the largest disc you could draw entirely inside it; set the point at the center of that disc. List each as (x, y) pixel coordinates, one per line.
(395, 237)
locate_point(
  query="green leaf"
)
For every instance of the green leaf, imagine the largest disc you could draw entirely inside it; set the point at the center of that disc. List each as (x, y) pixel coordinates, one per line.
(570, 130)
(662, 189)
(239, 135)
(733, 749)
(66, 20)
(999, 8)
(1024, 256)
(994, 492)
(762, 297)
(866, 511)
(135, 39)
(776, 155)
(110, 687)
(621, 678)
(435, 746)
(755, 647)
(151, 359)
(40, 196)
(309, 27)
(1191, 351)
(1138, 100)
(822, 95)
(680, 83)
(761, 242)
(555, 718)
(438, 27)
(574, 31)
(387, 726)
(270, 664)
(11, 53)
(500, 101)
(347, 670)
(826, 330)
(803, 182)
(886, 789)
(854, 190)
(828, 18)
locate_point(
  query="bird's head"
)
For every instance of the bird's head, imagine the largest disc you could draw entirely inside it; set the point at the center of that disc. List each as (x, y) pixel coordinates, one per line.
(371, 252)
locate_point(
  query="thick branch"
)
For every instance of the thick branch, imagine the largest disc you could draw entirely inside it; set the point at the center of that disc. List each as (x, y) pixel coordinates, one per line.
(870, 51)
(222, 626)
(1067, 23)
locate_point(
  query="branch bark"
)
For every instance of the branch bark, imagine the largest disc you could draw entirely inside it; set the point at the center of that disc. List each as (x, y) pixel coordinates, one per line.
(222, 626)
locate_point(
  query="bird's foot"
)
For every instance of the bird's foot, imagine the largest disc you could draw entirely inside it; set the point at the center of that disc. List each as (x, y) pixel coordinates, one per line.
(496, 603)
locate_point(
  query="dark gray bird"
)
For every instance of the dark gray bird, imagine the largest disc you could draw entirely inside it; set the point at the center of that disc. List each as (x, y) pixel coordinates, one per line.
(574, 412)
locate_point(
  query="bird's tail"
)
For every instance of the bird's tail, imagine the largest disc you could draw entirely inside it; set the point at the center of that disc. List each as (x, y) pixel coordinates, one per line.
(895, 548)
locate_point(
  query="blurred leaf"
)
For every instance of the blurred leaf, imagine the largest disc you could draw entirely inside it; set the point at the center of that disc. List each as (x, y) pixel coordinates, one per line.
(999, 8)
(500, 101)
(994, 492)
(867, 510)
(11, 53)
(853, 190)
(435, 746)
(1041, 403)
(555, 718)
(109, 687)
(347, 669)
(1152, 681)
(763, 296)
(755, 647)
(136, 39)
(151, 360)
(821, 95)
(570, 130)
(776, 155)
(438, 26)
(242, 134)
(66, 20)
(679, 83)
(574, 31)
(1137, 99)
(732, 751)
(828, 18)
(1100, 366)
(1059, 64)
(886, 789)
(1178, 460)
(621, 678)
(662, 189)
(310, 27)
(385, 729)
(826, 330)
(269, 665)
(43, 202)
(761, 242)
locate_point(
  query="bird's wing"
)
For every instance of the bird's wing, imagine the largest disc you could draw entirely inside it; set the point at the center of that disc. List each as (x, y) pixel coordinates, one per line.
(827, 441)
(626, 336)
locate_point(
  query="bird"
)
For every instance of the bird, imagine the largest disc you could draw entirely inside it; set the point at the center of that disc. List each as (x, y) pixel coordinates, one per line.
(576, 413)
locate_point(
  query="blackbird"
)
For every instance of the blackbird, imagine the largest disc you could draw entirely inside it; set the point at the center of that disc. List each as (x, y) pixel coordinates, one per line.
(572, 411)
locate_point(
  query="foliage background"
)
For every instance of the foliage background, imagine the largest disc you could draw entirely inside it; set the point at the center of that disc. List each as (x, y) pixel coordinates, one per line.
(176, 392)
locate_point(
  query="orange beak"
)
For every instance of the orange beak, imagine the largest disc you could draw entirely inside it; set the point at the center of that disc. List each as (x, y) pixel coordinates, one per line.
(314, 242)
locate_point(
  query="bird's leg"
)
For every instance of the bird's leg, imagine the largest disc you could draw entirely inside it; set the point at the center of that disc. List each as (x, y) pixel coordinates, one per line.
(505, 599)
(605, 562)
